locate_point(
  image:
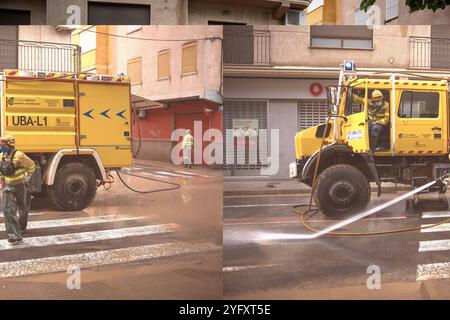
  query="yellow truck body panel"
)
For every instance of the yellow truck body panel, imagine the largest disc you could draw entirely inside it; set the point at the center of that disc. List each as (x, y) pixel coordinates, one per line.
(47, 115)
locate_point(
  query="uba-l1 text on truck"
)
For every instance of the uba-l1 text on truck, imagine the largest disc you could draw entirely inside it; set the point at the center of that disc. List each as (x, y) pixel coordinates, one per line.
(413, 147)
(76, 127)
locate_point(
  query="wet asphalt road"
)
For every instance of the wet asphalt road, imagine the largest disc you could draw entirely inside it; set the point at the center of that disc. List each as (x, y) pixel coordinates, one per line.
(261, 254)
(164, 245)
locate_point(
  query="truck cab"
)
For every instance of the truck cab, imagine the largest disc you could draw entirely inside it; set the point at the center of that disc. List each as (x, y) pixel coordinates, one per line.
(336, 158)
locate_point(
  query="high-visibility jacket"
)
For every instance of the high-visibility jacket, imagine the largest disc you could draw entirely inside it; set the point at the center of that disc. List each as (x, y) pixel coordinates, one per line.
(379, 115)
(188, 141)
(23, 164)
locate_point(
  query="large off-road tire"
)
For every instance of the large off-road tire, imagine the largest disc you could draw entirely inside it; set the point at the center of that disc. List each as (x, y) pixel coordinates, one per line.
(74, 187)
(341, 191)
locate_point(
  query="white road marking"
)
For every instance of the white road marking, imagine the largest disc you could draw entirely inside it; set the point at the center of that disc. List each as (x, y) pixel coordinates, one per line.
(90, 236)
(435, 214)
(439, 228)
(434, 245)
(260, 205)
(433, 271)
(171, 174)
(241, 268)
(74, 222)
(193, 174)
(30, 214)
(99, 258)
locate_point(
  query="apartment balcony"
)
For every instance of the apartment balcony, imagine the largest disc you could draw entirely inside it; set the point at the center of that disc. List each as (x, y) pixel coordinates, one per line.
(39, 56)
(244, 45)
(429, 53)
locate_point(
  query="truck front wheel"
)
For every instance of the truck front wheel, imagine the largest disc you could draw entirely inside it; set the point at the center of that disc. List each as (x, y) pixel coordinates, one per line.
(341, 190)
(74, 187)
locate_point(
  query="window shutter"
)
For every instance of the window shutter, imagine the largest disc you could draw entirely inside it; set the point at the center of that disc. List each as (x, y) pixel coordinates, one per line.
(163, 64)
(135, 70)
(189, 57)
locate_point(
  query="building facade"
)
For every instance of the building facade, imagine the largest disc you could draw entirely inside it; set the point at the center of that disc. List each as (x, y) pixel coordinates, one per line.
(38, 48)
(145, 12)
(278, 78)
(390, 12)
(176, 79)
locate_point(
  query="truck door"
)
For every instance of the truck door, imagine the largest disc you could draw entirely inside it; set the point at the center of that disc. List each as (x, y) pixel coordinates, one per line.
(355, 128)
(421, 122)
(105, 121)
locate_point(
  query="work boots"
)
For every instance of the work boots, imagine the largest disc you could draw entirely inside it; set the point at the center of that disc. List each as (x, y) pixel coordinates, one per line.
(14, 239)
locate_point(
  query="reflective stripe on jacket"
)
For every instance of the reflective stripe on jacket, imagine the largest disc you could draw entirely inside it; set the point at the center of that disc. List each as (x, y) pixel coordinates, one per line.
(24, 166)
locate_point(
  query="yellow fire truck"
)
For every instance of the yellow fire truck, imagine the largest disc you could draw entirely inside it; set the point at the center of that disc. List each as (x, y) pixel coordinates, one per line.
(76, 127)
(334, 158)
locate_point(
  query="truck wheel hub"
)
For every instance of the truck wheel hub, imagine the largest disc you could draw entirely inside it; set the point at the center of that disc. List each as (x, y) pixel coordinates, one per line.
(342, 192)
(75, 186)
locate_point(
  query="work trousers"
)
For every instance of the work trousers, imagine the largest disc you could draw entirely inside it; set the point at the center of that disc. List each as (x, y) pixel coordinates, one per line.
(16, 206)
(375, 131)
(187, 155)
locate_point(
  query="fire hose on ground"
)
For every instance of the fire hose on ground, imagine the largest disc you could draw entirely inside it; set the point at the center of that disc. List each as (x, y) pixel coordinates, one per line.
(331, 230)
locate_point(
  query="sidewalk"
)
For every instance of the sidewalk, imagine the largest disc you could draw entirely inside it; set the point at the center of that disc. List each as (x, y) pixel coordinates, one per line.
(160, 165)
(427, 290)
(273, 187)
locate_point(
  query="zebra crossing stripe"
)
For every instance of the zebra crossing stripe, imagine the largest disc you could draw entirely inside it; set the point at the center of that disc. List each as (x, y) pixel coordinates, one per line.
(171, 174)
(435, 214)
(100, 258)
(90, 236)
(439, 228)
(434, 245)
(433, 271)
(74, 222)
(30, 214)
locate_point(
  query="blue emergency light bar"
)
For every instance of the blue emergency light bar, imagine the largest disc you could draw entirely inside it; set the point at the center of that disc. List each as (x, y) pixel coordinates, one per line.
(349, 66)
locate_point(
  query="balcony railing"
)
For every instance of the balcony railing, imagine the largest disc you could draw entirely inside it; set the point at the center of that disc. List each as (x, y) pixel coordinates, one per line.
(429, 53)
(244, 45)
(39, 56)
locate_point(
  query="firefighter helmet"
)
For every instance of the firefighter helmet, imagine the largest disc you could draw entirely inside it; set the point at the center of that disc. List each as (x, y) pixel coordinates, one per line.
(9, 139)
(377, 95)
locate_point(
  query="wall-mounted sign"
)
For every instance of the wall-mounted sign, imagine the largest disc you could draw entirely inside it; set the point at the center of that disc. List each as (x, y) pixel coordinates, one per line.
(245, 127)
(316, 89)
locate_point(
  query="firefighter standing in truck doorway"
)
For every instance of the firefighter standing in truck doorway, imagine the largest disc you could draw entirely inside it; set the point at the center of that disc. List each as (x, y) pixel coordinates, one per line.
(188, 142)
(16, 170)
(378, 114)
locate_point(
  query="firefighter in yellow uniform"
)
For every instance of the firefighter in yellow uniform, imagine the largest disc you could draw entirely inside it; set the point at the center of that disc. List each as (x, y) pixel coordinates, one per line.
(16, 170)
(378, 114)
(188, 142)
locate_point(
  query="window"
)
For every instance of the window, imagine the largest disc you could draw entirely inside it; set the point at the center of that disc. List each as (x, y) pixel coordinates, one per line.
(355, 100)
(104, 13)
(15, 17)
(361, 17)
(135, 70)
(344, 37)
(391, 9)
(419, 105)
(189, 58)
(164, 65)
(295, 17)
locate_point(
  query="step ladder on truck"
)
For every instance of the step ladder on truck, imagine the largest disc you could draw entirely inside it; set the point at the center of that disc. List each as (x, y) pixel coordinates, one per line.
(76, 127)
(335, 159)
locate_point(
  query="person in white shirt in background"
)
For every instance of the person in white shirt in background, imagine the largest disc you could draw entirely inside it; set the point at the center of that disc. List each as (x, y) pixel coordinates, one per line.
(188, 142)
